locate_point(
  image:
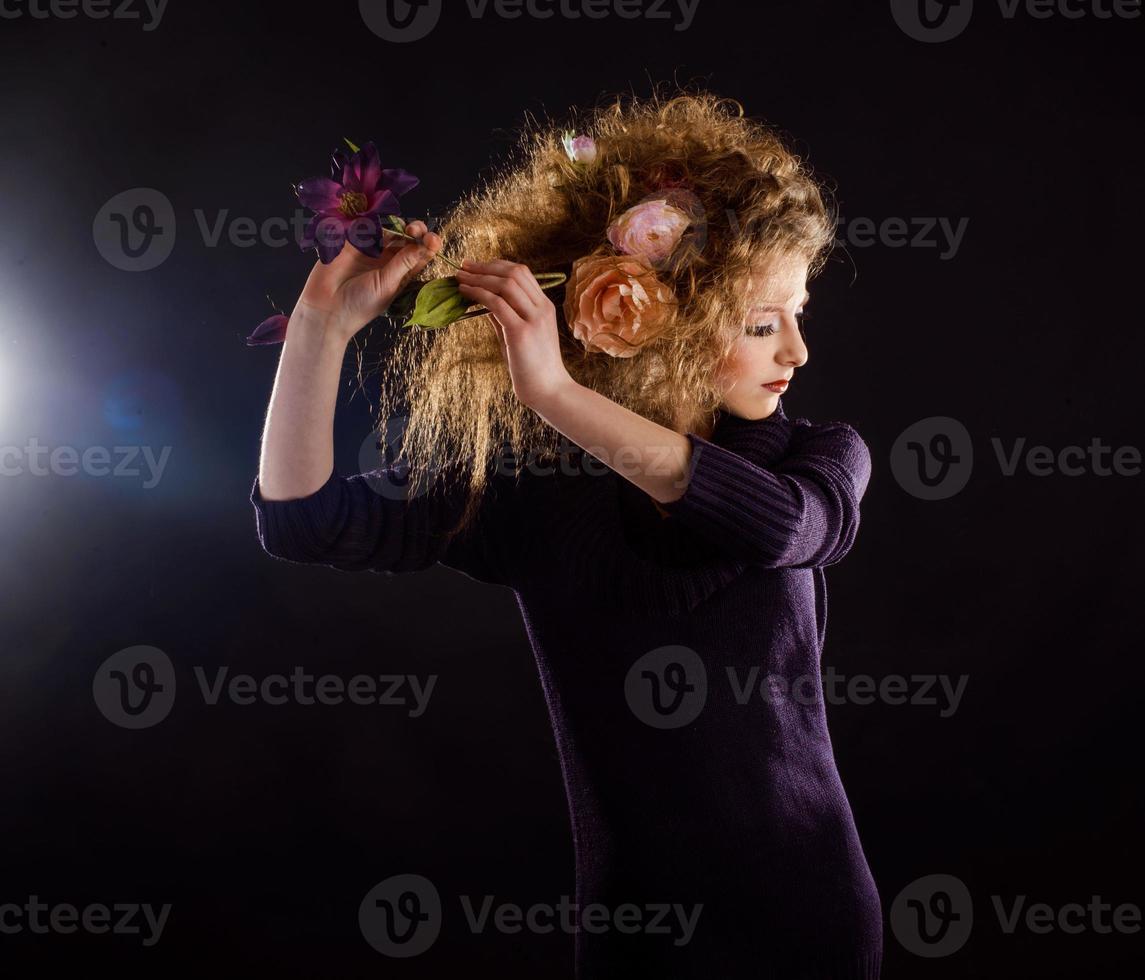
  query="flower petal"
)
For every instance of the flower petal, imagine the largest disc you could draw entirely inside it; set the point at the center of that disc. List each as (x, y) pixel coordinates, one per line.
(398, 181)
(271, 331)
(365, 234)
(382, 202)
(369, 167)
(320, 194)
(329, 237)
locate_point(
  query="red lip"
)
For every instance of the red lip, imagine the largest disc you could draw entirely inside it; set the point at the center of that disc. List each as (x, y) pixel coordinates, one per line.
(779, 387)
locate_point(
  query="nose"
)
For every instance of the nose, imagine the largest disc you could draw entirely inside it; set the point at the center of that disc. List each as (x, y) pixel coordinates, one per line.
(792, 350)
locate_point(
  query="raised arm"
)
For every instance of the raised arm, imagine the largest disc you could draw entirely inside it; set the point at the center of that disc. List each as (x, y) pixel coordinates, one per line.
(800, 511)
(305, 511)
(362, 523)
(338, 300)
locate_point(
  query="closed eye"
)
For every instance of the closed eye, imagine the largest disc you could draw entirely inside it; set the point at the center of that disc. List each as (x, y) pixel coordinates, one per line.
(769, 327)
(762, 329)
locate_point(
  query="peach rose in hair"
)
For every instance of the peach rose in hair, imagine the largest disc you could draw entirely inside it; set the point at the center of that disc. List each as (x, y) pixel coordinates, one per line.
(614, 304)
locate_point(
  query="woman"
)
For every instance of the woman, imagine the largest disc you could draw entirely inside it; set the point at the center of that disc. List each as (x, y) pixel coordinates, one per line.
(669, 568)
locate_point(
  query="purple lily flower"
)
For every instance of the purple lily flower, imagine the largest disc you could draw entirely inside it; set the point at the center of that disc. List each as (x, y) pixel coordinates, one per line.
(352, 204)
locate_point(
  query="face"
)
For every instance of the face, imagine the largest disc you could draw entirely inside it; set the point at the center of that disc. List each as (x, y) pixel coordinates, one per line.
(765, 359)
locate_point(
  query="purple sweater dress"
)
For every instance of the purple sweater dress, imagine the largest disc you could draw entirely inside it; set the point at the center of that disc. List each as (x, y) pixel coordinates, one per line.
(680, 660)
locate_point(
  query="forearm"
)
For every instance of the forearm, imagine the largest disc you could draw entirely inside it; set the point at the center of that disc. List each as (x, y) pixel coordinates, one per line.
(651, 456)
(298, 440)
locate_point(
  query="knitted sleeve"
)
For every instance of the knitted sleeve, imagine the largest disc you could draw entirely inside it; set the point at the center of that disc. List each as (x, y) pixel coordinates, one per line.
(802, 511)
(360, 523)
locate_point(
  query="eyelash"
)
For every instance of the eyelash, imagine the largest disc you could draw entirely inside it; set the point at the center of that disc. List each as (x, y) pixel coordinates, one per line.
(767, 329)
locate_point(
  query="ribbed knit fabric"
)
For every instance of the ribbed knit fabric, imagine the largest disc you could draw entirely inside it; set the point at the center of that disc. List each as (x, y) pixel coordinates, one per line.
(739, 809)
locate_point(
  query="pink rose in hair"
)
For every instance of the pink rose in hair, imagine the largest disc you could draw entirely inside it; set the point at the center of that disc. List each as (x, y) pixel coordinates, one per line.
(580, 149)
(651, 230)
(615, 304)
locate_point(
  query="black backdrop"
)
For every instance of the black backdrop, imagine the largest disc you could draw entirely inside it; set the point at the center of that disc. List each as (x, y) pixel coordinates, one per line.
(265, 825)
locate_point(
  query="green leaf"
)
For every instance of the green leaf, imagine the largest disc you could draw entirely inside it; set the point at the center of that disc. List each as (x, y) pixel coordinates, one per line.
(402, 305)
(439, 303)
(353, 148)
(396, 222)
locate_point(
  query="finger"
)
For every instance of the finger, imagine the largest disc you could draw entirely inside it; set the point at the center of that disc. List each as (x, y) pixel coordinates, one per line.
(415, 229)
(514, 271)
(523, 276)
(516, 294)
(407, 263)
(499, 266)
(522, 304)
(497, 305)
(391, 245)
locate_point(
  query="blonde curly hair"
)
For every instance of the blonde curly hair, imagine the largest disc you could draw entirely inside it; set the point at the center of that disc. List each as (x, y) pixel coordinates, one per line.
(544, 210)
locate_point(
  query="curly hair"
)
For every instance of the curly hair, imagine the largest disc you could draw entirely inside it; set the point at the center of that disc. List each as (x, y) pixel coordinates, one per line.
(759, 200)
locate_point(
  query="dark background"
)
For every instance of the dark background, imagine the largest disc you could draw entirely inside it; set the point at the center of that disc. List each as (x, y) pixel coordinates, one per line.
(265, 826)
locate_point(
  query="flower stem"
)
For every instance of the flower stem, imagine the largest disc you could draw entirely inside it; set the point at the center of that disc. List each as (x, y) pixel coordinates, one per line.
(444, 258)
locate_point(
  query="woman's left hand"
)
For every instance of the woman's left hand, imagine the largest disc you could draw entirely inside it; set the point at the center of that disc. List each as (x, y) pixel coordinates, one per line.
(526, 323)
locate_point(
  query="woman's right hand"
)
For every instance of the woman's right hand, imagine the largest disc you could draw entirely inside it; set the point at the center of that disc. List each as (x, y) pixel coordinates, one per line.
(355, 288)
